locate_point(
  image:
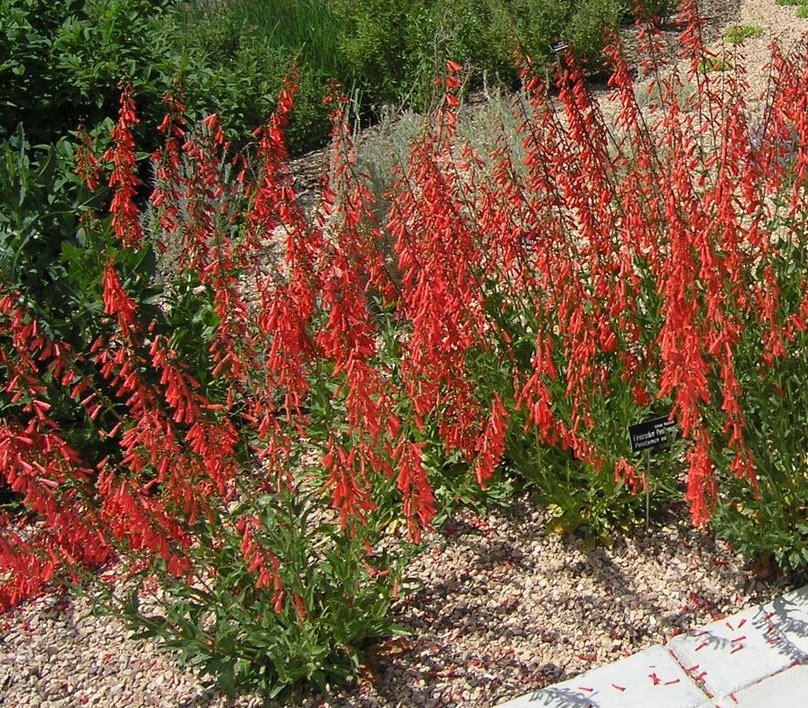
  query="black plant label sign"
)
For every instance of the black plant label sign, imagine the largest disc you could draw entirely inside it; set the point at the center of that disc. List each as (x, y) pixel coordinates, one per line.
(558, 46)
(654, 434)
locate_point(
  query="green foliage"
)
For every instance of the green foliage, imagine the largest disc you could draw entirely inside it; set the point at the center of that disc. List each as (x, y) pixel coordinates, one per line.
(47, 252)
(394, 49)
(237, 53)
(60, 63)
(715, 64)
(738, 33)
(801, 6)
(596, 503)
(247, 635)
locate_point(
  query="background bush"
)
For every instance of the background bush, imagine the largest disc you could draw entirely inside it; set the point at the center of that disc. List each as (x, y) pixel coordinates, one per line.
(235, 55)
(60, 63)
(394, 49)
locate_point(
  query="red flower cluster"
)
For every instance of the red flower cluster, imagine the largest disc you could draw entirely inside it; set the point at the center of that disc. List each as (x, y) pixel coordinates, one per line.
(534, 299)
(123, 179)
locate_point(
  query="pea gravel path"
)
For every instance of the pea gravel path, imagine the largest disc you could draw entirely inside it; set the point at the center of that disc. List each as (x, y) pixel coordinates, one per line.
(503, 608)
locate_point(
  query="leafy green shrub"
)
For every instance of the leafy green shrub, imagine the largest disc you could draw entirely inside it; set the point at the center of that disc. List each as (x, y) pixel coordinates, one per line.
(61, 63)
(393, 49)
(388, 47)
(237, 54)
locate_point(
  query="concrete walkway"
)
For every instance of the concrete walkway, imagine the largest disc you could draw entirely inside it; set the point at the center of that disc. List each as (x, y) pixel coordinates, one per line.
(757, 658)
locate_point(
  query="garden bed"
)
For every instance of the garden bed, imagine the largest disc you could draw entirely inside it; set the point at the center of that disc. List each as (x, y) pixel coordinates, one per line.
(503, 608)
(499, 605)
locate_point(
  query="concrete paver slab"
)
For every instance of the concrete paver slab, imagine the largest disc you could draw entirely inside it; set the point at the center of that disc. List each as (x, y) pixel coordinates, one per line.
(727, 655)
(790, 614)
(649, 678)
(784, 690)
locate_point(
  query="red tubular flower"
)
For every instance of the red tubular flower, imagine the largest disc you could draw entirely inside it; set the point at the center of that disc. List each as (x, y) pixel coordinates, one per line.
(440, 254)
(168, 187)
(37, 463)
(124, 180)
(626, 473)
(274, 203)
(88, 166)
(701, 484)
(349, 489)
(261, 562)
(412, 482)
(491, 445)
(48, 474)
(798, 321)
(142, 522)
(28, 568)
(117, 302)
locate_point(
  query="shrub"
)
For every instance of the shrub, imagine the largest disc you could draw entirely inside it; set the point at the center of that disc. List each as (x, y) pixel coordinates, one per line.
(60, 63)
(119, 430)
(393, 49)
(237, 53)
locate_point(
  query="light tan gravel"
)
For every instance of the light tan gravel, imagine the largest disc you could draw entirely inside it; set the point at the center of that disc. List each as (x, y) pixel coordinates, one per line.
(503, 608)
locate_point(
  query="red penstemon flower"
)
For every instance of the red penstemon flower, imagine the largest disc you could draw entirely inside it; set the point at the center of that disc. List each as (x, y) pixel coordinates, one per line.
(167, 162)
(492, 444)
(349, 487)
(123, 179)
(628, 267)
(37, 463)
(412, 482)
(88, 167)
(261, 562)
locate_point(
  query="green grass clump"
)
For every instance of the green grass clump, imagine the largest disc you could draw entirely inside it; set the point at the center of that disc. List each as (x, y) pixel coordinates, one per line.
(801, 6)
(739, 33)
(715, 64)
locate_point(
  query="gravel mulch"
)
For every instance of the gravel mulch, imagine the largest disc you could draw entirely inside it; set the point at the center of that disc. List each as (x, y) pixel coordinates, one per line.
(502, 608)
